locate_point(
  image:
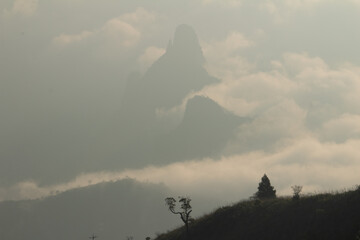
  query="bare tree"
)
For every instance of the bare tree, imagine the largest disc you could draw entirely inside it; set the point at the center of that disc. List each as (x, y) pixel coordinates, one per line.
(296, 190)
(185, 211)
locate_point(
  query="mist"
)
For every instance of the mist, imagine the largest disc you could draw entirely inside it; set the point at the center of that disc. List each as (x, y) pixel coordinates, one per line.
(197, 98)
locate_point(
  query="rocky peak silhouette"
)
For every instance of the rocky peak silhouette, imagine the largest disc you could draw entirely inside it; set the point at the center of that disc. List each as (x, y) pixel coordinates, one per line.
(175, 74)
(186, 45)
(168, 81)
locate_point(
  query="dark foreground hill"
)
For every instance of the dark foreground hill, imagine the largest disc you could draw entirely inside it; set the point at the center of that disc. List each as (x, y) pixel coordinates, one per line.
(322, 216)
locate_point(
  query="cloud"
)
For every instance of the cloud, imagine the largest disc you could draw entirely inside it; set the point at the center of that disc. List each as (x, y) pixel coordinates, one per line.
(140, 17)
(322, 91)
(150, 55)
(23, 7)
(307, 162)
(341, 129)
(223, 57)
(126, 31)
(300, 96)
(122, 33)
(118, 33)
(282, 9)
(325, 92)
(248, 94)
(65, 39)
(274, 128)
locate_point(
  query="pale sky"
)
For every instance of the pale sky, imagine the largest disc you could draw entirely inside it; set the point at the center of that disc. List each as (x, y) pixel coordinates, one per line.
(293, 67)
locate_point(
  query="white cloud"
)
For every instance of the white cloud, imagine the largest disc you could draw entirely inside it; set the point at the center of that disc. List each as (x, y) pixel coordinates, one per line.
(23, 7)
(248, 95)
(300, 97)
(122, 33)
(299, 62)
(273, 128)
(65, 39)
(341, 129)
(140, 17)
(118, 33)
(223, 57)
(324, 92)
(126, 31)
(321, 91)
(308, 162)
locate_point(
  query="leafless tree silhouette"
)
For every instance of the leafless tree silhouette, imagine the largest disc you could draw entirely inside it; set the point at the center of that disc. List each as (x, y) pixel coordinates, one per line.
(185, 211)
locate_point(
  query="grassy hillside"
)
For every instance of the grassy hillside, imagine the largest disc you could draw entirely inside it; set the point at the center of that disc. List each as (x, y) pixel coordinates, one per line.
(321, 216)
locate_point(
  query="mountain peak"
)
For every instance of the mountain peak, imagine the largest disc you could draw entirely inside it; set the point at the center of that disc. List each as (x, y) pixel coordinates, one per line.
(184, 33)
(186, 44)
(176, 73)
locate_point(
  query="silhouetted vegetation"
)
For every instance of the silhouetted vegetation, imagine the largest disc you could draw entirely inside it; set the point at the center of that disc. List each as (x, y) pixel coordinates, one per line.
(322, 216)
(296, 192)
(265, 190)
(185, 211)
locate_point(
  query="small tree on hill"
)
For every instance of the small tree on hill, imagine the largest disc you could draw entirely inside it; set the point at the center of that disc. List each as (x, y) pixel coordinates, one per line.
(296, 190)
(265, 190)
(185, 211)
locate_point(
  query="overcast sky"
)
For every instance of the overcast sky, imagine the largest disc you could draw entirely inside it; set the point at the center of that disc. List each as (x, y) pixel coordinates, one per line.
(292, 66)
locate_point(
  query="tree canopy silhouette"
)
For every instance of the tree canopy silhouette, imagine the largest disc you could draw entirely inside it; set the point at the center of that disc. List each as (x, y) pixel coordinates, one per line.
(265, 190)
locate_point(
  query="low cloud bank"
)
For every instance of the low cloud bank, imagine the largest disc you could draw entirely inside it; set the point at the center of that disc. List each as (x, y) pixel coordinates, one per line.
(307, 162)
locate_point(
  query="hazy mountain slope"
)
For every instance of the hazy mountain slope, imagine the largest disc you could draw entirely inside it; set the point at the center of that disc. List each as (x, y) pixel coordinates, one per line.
(323, 216)
(166, 83)
(174, 75)
(205, 128)
(111, 210)
(204, 131)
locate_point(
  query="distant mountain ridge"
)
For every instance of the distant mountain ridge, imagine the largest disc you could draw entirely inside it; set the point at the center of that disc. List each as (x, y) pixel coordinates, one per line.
(112, 210)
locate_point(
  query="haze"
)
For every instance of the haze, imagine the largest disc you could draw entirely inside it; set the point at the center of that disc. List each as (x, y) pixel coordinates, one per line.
(197, 98)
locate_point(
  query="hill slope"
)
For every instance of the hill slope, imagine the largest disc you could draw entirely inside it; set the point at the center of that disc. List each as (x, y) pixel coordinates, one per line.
(323, 216)
(111, 210)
